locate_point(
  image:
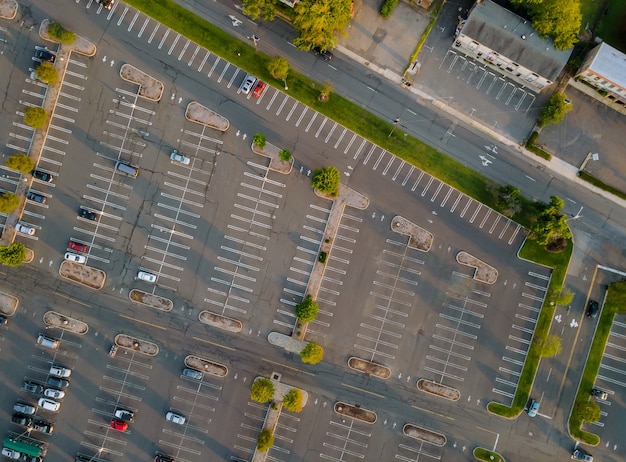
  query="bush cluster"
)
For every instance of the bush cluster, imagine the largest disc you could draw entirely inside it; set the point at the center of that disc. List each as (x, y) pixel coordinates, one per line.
(388, 7)
(58, 32)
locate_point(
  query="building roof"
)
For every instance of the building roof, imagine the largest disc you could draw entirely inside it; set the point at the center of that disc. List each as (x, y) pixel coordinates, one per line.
(610, 64)
(512, 36)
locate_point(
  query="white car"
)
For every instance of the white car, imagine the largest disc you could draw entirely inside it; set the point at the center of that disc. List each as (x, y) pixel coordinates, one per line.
(247, 84)
(49, 404)
(52, 393)
(75, 257)
(11, 454)
(59, 371)
(178, 157)
(175, 418)
(20, 228)
(145, 276)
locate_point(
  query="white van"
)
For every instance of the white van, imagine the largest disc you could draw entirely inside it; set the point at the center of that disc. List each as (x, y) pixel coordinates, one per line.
(47, 342)
(127, 169)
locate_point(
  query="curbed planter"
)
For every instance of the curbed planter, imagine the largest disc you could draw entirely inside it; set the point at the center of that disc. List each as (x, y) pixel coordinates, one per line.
(30, 256)
(206, 366)
(369, 368)
(8, 304)
(419, 238)
(483, 272)
(55, 319)
(8, 9)
(424, 434)
(276, 163)
(202, 115)
(149, 87)
(151, 300)
(356, 412)
(221, 322)
(437, 389)
(290, 344)
(81, 45)
(82, 274)
(136, 344)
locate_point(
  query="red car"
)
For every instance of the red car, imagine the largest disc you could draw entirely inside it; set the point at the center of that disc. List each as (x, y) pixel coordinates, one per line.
(258, 90)
(78, 247)
(119, 425)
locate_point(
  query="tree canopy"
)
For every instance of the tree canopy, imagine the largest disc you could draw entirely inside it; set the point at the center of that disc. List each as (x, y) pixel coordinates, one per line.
(20, 162)
(318, 21)
(35, 116)
(551, 346)
(326, 179)
(551, 223)
(559, 19)
(262, 390)
(307, 309)
(589, 411)
(555, 110)
(278, 67)
(265, 9)
(47, 73)
(8, 202)
(13, 255)
(265, 440)
(312, 353)
(292, 401)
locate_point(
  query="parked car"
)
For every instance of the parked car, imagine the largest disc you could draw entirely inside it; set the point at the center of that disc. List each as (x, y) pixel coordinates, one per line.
(24, 408)
(119, 425)
(75, 257)
(162, 458)
(580, 454)
(33, 196)
(43, 426)
(326, 55)
(599, 393)
(55, 394)
(72, 245)
(3, 320)
(57, 383)
(178, 157)
(108, 4)
(145, 276)
(533, 408)
(22, 419)
(258, 89)
(88, 215)
(60, 371)
(592, 309)
(11, 454)
(49, 405)
(47, 342)
(247, 84)
(20, 228)
(43, 176)
(175, 418)
(33, 387)
(194, 374)
(43, 54)
(124, 415)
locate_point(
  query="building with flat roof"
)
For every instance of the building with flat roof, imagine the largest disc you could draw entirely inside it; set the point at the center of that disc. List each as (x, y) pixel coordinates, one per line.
(507, 43)
(604, 68)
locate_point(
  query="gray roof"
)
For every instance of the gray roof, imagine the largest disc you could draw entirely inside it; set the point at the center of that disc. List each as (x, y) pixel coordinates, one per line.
(610, 64)
(501, 30)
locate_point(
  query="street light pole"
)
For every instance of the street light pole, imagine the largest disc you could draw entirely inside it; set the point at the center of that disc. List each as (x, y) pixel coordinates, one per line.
(396, 121)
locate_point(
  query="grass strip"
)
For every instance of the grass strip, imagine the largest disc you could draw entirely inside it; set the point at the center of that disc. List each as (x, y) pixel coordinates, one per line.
(530, 145)
(600, 184)
(487, 455)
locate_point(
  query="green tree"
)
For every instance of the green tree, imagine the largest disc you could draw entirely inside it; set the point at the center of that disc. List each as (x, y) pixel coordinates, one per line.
(388, 7)
(8, 202)
(262, 390)
(284, 155)
(559, 19)
(312, 353)
(551, 346)
(292, 401)
(508, 200)
(589, 411)
(551, 224)
(307, 309)
(318, 21)
(265, 440)
(20, 162)
(565, 297)
(259, 140)
(555, 110)
(58, 32)
(326, 179)
(13, 255)
(47, 73)
(35, 116)
(266, 9)
(278, 67)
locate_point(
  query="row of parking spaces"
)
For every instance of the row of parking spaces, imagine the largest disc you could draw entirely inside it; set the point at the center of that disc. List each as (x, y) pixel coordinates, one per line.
(494, 85)
(331, 133)
(532, 296)
(63, 119)
(284, 434)
(245, 244)
(180, 203)
(391, 301)
(455, 334)
(194, 399)
(346, 439)
(122, 385)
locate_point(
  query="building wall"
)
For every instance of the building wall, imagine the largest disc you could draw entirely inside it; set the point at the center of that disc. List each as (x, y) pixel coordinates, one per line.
(614, 92)
(501, 64)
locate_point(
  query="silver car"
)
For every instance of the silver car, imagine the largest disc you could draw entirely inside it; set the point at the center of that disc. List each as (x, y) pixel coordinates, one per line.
(247, 84)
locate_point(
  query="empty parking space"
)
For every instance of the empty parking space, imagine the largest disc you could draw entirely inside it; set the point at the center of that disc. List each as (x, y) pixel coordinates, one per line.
(345, 440)
(410, 450)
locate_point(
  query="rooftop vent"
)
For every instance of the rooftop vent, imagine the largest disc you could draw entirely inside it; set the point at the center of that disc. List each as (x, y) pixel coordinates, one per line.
(523, 37)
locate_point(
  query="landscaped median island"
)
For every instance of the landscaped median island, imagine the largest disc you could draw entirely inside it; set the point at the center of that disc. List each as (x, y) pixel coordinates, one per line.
(60, 321)
(205, 365)
(483, 272)
(419, 238)
(152, 300)
(424, 434)
(220, 321)
(149, 87)
(87, 276)
(369, 367)
(355, 411)
(8, 304)
(8, 9)
(137, 345)
(281, 160)
(487, 455)
(202, 115)
(438, 389)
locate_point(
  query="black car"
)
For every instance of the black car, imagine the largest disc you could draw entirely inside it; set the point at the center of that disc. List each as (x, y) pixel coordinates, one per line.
(22, 419)
(57, 383)
(592, 309)
(43, 426)
(108, 4)
(43, 176)
(3, 320)
(31, 196)
(88, 215)
(45, 55)
(32, 387)
(327, 55)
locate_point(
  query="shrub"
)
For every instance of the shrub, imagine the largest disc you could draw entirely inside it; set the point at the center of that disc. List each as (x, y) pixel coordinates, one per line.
(292, 401)
(555, 110)
(326, 179)
(551, 346)
(259, 140)
(58, 32)
(312, 353)
(322, 257)
(265, 440)
(307, 309)
(35, 116)
(278, 67)
(388, 7)
(284, 155)
(20, 162)
(8, 202)
(13, 255)
(47, 73)
(262, 390)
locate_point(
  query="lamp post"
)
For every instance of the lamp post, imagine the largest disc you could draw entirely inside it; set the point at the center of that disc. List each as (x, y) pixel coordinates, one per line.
(396, 121)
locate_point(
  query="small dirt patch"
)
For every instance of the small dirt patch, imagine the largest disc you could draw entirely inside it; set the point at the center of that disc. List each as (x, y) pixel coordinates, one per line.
(219, 321)
(423, 434)
(154, 301)
(136, 344)
(204, 365)
(356, 412)
(55, 319)
(419, 238)
(438, 389)
(83, 274)
(369, 368)
(8, 9)
(30, 256)
(8, 304)
(200, 114)
(484, 272)
(149, 87)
